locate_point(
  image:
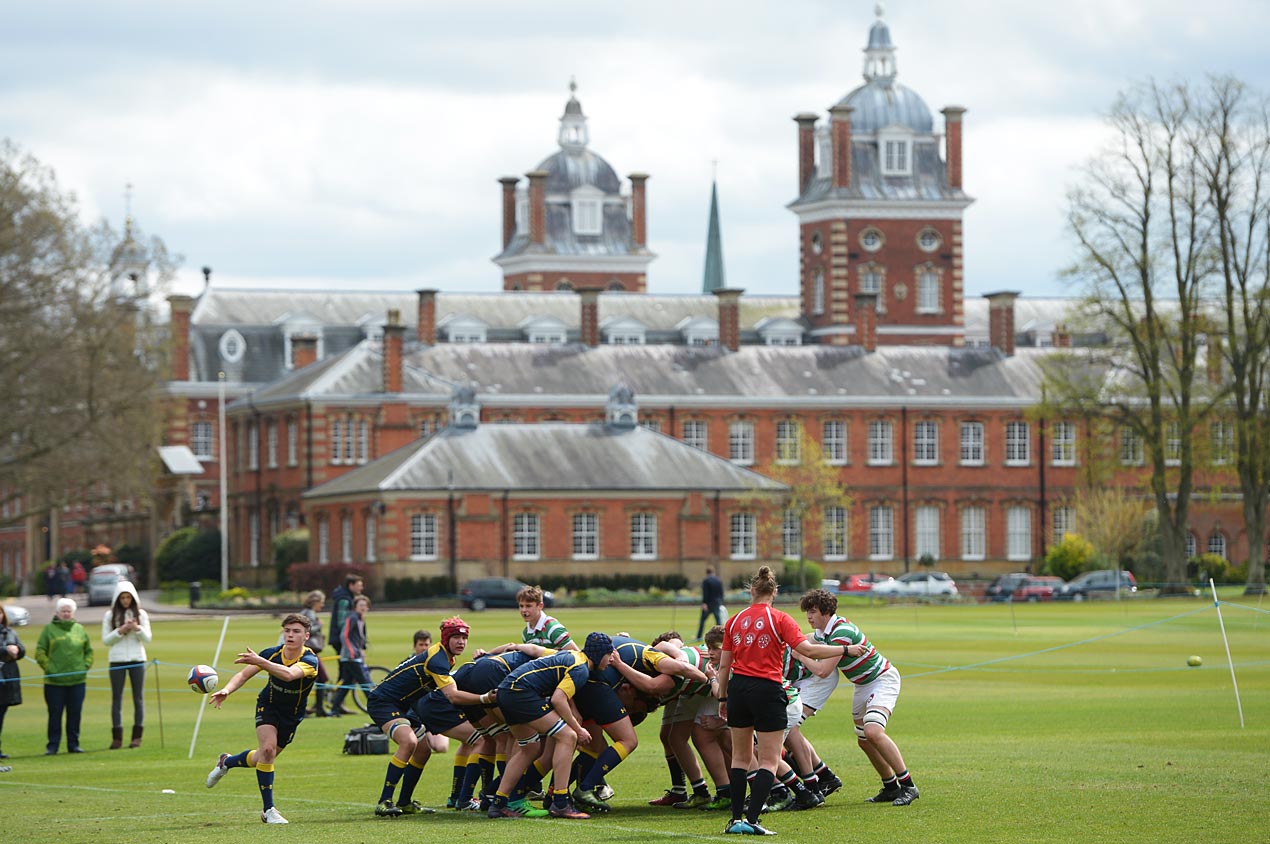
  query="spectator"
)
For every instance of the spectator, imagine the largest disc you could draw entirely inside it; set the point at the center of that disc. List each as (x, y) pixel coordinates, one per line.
(352, 655)
(78, 576)
(711, 600)
(65, 653)
(313, 603)
(11, 652)
(125, 629)
(63, 579)
(50, 581)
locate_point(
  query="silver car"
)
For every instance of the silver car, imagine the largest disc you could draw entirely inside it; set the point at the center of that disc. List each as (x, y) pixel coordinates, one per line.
(102, 581)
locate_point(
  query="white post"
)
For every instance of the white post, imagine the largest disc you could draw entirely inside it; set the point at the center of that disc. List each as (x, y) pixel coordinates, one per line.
(203, 706)
(1229, 661)
(224, 489)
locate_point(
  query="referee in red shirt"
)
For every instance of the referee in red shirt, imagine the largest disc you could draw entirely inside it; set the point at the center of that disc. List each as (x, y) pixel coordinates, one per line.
(751, 668)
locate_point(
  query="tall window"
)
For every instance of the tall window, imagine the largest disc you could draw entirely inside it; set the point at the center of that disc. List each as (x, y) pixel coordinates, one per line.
(586, 536)
(881, 533)
(1018, 528)
(324, 541)
(742, 536)
(1190, 545)
(372, 534)
(293, 442)
(1130, 447)
(973, 533)
(927, 292)
(425, 428)
(881, 449)
(587, 218)
(1016, 444)
(337, 441)
(363, 441)
(833, 441)
(928, 532)
(972, 443)
(525, 536)
(1173, 444)
(895, 158)
(202, 439)
(643, 536)
(271, 443)
(925, 443)
(787, 450)
(253, 529)
(1222, 436)
(834, 532)
(346, 538)
(694, 432)
(423, 536)
(1064, 520)
(349, 432)
(253, 446)
(818, 292)
(791, 535)
(871, 280)
(1063, 444)
(1217, 544)
(741, 443)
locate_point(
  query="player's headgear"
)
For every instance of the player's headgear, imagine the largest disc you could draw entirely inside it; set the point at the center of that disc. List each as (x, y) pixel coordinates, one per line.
(598, 645)
(453, 626)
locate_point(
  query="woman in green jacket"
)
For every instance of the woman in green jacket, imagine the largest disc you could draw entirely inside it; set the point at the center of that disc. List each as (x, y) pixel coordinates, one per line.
(65, 653)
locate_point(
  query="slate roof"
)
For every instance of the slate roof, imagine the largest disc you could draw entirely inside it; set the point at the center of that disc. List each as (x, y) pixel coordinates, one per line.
(544, 457)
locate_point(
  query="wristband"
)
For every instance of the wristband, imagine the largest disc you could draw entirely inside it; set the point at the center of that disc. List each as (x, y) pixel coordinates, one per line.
(723, 700)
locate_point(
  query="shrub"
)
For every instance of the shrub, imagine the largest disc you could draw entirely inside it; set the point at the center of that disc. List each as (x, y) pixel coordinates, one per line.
(1069, 557)
(812, 575)
(78, 555)
(290, 547)
(1211, 565)
(189, 555)
(232, 593)
(305, 577)
(409, 588)
(8, 586)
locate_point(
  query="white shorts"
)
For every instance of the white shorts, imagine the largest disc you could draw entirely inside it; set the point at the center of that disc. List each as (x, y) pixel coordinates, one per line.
(793, 714)
(681, 709)
(882, 693)
(814, 691)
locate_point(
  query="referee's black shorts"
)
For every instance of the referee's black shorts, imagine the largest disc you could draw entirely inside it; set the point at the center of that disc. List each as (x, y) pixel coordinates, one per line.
(758, 703)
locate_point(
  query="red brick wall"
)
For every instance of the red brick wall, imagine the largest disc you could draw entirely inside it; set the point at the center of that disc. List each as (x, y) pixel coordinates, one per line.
(548, 281)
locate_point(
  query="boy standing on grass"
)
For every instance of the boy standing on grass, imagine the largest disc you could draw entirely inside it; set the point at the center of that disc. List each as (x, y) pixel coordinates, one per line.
(540, 628)
(280, 706)
(877, 688)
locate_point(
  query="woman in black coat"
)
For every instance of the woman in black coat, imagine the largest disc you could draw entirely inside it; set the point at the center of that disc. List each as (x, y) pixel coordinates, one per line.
(11, 651)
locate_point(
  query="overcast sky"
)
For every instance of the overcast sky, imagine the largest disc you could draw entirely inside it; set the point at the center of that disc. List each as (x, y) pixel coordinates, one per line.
(358, 144)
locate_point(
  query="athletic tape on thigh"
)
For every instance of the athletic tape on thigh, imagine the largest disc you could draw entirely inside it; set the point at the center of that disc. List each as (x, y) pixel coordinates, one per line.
(557, 727)
(876, 716)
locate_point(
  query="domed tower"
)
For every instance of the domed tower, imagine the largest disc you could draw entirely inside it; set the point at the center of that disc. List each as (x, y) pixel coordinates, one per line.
(570, 227)
(880, 212)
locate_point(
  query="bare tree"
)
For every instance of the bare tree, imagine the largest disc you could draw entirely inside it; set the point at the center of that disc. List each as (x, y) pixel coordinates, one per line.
(79, 353)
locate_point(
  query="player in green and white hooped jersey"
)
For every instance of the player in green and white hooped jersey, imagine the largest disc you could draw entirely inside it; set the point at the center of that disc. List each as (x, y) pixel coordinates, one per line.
(680, 707)
(877, 688)
(540, 628)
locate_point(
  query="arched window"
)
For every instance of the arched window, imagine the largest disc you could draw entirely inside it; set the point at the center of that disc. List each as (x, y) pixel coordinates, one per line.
(1217, 544)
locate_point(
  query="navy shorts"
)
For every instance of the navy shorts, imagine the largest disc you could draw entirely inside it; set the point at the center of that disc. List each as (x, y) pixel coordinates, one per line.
(437, 714)
(599, 703)
(383, 711)
(522, 707)
(758, 703)
(286, 724)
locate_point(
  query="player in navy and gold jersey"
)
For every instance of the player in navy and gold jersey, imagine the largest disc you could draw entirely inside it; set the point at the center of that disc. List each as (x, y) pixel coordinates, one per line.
(280, 706)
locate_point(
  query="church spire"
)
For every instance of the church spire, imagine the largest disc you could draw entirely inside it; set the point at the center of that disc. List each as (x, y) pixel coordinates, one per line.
(573, 130)
(713, 278)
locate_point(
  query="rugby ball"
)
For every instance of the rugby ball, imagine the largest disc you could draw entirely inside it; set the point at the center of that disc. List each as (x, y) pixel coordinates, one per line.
(1195, 661)
(203, 679)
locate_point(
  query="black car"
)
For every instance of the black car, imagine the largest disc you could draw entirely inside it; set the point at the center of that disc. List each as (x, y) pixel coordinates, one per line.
(1003, 587)
(485, 592)
(1097, 583)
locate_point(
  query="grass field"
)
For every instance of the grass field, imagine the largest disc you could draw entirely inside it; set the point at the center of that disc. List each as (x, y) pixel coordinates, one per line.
(1035, 723)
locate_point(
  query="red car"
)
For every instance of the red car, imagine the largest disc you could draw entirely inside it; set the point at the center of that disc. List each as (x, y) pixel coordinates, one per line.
(860, 582)
(1038, 589)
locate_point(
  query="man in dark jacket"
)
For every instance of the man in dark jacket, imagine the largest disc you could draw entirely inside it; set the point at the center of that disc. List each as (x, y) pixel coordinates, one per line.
(711, 600)
(343, 597)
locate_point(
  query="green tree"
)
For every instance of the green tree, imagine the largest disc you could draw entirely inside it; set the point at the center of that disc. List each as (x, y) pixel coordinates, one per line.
(1072, 555)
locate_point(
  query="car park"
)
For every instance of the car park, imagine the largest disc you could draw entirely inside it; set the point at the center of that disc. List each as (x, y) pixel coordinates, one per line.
(916, 584)
(1101, 583)
(501, 592)
(1003, 587)
(1035, 589)
(102, 580)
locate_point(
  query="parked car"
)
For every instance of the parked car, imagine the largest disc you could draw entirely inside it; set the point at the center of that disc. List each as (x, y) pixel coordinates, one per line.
(862, 582)
(829, 584)
(916, 584)
(1003, 587)
(1035, 589)
(1101, 582)
(485, 592)
(102, 580)
(18, 616)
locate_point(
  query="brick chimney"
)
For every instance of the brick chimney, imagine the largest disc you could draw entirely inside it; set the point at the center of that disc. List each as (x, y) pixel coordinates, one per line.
(537, 206)
(729, 301)
(589, 320)
(806, 148)
(394, 333)
(866, 321)
(426, 327)
(840, 135)
(179, 328)
(303, 350)
(509, 207)
(952, 142)
(639, 209)
(1001, 320)
(1062, 337)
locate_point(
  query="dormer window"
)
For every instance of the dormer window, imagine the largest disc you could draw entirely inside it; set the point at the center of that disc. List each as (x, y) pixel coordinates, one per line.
(544, 330)
(699, 331)
(232, 347)
(624, 331)
(895, 151)
(462, 328)
(588, 208)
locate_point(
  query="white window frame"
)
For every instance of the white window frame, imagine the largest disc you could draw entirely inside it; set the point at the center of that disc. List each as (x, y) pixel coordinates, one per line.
(324, 541)
(926, 531)
(791, 534)
(588, 214)
(925, 442)
(1131, 452)
(1172, 443)
(833, 441)
(346, 538)
(586, 536)
(1217, 544)
(895, 155)
(1222, 439)
(741, 443)
(372, 537)
(253, 538)
(1018, 444)
(1192, 545)
(424, 539)
(337, 441)
(271, 443)
(927, 300)
(653, 425)
(526, 536)
(881, 442)
(881, 532)
(203, 439)
(363, 441)
(696, 433)
(1064, 520)
(788, 449)
(1063, 444)
(1018, 533)
(971, 444)
(643, 536)
(834, 533)
(350, 436)
(742, 536)
(293, 441)
(974, 533)
(253, 446)
(818, 291)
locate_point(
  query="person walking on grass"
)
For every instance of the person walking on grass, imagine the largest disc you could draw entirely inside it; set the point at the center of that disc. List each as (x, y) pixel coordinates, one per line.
(877, 688)
(125, 630)
(280, 707)
(751, 671)
(352, 648)
(711, 600)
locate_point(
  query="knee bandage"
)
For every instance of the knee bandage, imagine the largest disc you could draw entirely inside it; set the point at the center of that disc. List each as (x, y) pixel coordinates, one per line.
(876, 716)
(859, 733)
(557, 727)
